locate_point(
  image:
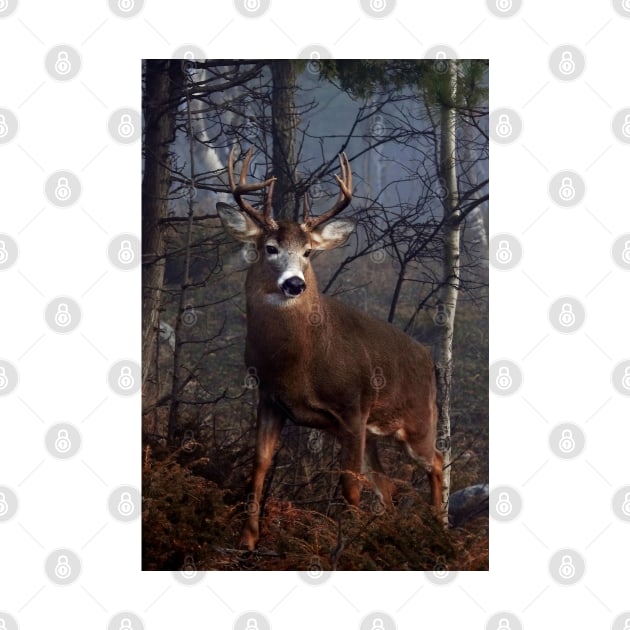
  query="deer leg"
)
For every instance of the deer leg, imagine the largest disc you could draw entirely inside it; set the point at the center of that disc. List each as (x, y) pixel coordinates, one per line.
(268, 426)
(383, 486)
(426, 455)
(352, 454)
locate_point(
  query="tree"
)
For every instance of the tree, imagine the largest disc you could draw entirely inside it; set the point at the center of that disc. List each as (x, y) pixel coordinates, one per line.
(163, 79)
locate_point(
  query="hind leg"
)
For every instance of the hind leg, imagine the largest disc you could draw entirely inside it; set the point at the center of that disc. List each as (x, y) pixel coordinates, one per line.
(383, 485)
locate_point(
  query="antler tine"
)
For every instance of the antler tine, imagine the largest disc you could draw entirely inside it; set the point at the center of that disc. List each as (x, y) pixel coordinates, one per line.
(306, 209)
(345, 195)
(262, 218)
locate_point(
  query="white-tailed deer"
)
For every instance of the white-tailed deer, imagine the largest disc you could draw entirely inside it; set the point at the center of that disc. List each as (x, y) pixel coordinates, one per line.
(321, 363)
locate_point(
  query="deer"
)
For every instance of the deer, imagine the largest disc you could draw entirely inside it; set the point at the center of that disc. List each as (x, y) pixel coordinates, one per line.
(319, 362)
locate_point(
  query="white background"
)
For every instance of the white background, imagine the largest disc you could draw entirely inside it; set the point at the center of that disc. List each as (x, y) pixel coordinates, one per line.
(63, 251)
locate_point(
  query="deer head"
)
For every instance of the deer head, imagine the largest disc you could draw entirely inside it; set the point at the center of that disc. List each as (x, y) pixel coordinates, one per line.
(284, 247)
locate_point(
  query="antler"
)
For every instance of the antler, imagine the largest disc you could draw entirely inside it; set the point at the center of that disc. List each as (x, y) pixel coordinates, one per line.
(345, 196)
(264, 218)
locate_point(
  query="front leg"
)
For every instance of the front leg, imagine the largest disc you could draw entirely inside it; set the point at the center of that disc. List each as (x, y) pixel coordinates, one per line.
(268, 427)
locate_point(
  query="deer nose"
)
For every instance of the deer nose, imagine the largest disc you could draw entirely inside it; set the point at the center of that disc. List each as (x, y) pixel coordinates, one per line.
(293, 286)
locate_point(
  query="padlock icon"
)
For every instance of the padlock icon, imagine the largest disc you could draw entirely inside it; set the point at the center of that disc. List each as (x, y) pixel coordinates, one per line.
(504, 505)
(62, 442)
(503, 624)
(504, 379)
(4, 254)
(567, 441)
(3, 625)
(125, 379)
(567, 64)
(567, 316)
(567, 568)
(313, 63)
(125, 254)
(4, 381)
(625, 5)
(252, 5)
(126, 5)
(567, 189)
(504, 5)
(4, 129)
(625, 254)
(378, 5)
(62, 317)
(504, 126)
(251, 380)
(625, 127)
(63, 190)
(377, 624)
(125, 505)
(625, 380)
(378, 379)
(125, 624)
(126, 128)
(626, 623)
(625, 506)
(188, 443)
(63, 570)
(4, 506)
(504, 253)
(189, 570)
(440, 61)
(62, 64)
(440, 317)
(251, 624)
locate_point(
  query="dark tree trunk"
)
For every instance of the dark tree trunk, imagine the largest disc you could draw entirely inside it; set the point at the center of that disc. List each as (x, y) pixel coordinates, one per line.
(163, 81)
(284, 122)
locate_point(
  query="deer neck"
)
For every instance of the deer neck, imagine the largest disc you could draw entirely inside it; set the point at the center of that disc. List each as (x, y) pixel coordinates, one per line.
(281, 329)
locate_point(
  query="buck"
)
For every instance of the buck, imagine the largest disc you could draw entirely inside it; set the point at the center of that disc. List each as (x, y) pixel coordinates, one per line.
(319, 362)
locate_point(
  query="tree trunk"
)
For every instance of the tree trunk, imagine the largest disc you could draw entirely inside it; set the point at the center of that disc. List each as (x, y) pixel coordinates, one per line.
(162, 79)
(451, 280)
(284, 123)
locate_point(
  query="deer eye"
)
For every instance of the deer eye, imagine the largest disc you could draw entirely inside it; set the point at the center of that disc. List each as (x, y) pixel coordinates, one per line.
(271, 249)
(307, 253)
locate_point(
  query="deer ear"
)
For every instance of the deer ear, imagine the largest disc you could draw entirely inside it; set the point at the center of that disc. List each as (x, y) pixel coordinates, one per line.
(332, 234)
(238, 224)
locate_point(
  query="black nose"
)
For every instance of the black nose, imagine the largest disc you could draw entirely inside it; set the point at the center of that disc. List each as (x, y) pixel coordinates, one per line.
(293, 286)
